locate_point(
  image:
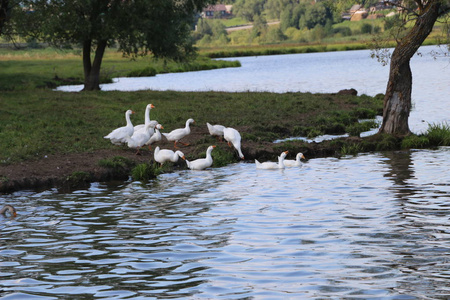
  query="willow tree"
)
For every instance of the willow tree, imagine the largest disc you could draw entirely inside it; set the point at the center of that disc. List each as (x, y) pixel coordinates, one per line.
(161, 27)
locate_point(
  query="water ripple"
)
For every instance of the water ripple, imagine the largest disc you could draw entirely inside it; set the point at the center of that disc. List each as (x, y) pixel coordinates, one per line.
(373, 226)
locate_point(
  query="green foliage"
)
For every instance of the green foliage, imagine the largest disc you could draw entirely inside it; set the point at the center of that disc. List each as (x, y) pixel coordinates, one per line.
(355, 129)
(147, 71)
(145, 172)
(118, 165)
(439, 134)
(248, 9)
(77, 179)
(366, 28)
(222, 157)
(415, 142)
(387, 142)
(351, 149)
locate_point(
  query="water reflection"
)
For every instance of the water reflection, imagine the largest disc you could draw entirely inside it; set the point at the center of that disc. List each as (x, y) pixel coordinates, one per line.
(401, 170)
(421, 227)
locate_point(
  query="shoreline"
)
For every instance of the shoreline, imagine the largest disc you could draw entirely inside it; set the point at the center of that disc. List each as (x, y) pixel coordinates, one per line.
(67, 172)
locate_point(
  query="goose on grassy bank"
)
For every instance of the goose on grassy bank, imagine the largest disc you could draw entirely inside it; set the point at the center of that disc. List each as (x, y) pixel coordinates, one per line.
(118, 135)
(177, 134)
(233, 137)
(146, 118)
(216, 130)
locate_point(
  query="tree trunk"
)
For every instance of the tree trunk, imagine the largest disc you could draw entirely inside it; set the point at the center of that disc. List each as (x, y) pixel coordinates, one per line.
(397, 100)
(92, 70)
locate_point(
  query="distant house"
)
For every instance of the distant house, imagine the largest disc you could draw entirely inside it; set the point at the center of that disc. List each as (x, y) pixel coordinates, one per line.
(355, 8)
(356, 13)
(359, 15)
(218, 11)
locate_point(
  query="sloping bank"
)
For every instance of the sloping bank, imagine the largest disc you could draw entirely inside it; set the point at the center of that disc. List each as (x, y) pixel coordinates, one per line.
(60, 144)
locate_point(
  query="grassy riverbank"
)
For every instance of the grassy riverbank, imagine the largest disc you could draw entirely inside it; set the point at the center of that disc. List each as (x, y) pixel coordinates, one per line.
(56, 139)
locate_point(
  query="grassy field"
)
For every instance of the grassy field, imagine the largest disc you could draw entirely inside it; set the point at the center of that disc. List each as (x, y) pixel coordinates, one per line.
(38, 122)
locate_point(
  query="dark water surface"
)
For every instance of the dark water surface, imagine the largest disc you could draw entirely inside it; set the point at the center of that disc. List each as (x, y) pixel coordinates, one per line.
(374, 226)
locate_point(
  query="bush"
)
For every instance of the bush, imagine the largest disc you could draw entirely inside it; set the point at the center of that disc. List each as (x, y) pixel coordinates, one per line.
(366, 28)
(343, 31)
(148, 71)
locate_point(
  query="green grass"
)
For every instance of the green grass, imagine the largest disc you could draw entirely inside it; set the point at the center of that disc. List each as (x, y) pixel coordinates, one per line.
(35, 122)
(145, 172)
(439, 134)
(48, 68)
(39, 122)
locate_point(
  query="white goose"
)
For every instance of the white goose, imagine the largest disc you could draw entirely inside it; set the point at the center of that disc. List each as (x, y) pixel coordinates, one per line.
(139, 138)
(216, 130)
(202, 163)
(163, 155)
(146, 118)
(296, 162)
(232, 136)
(177, 134)
(156, 136)
(118, 135)
(271, 164)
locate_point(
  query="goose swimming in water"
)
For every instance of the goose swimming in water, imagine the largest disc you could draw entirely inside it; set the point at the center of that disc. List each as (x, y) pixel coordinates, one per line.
(271, 164)
(296, 162)
(9, 208)
(163, 155)
(202, 163)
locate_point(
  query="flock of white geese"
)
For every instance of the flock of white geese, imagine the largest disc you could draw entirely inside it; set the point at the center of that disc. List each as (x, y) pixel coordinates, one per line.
(149, 133)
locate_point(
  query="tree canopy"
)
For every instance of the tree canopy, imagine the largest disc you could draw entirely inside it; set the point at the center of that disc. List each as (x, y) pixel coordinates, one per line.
(161, 27)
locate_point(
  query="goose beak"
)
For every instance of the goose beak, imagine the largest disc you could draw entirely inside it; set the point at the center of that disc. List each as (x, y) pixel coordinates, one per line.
(132, 112)
(152, 106)
(303, 156)
(162, 127)
(286, 152)
(183, 157)
(214, 146)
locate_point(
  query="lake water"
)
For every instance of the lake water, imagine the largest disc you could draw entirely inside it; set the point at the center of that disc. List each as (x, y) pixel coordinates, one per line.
(316, 73)
(373, 226)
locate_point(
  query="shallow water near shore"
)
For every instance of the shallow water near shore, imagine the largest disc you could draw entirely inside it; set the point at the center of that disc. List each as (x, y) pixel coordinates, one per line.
(374, 226)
